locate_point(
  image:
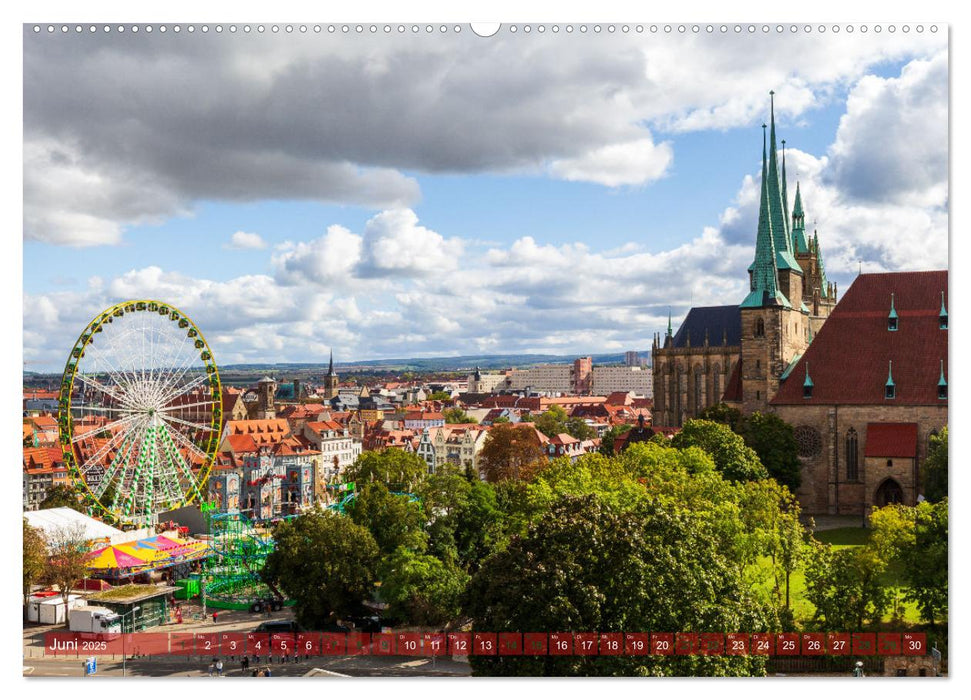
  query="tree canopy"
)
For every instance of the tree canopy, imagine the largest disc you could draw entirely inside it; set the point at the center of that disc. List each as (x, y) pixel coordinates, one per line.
(62, 496)
(555, 421)
(457, 415)
(935, 468)
(733, 458)
(67, 554)
(915, 540)
(35, 557)
(420, 589)
(587, 565)
(511, 452)
(325, 562)
(775, 443)
(395, 468)
(393, 520)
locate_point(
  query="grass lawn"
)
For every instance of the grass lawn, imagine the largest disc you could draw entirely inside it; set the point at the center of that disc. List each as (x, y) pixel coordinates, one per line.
(801, 607)
(844, 536)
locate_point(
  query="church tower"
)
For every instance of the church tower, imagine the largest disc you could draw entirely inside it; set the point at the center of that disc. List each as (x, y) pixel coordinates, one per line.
(774, 322)
(266, 396)
(818, 294)
(330, 379)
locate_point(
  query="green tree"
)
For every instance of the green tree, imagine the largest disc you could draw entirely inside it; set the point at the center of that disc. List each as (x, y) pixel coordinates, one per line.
(501, 419)
(578, 428)
(396, 469)
(733, 458)
(457, 415)
(511, 452)
(846, 586)
(587, 565)
(609, 437)
(914, 539)
(552, 421)
(326, 563)
(775, 443)
(465, 523)
(440, 396)
(935, 468)
(62, 496)
(35, 558)
(393, 520)
(421, 589)
(723, 413)
(67, 553)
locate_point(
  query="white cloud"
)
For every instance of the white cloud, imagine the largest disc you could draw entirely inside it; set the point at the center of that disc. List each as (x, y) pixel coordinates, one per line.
(892, 143)
(394, 243)
(635, 163)
(120, 132)
(241, 240)
(327, 259)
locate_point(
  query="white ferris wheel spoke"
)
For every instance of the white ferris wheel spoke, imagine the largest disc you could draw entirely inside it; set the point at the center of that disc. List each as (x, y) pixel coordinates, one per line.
(183, 406)
(95, 384)
(189, 424)
(95, 459)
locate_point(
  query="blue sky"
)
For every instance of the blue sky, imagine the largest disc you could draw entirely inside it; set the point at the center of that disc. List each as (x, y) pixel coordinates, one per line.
(411, 195)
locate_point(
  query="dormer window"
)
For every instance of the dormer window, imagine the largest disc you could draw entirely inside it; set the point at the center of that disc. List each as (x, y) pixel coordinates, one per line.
(942, 384)
(943, 316)
(892, 317)
(890, 389)
(807, 385)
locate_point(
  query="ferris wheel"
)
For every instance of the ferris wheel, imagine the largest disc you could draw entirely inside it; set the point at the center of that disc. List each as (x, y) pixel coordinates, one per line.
(139, 411)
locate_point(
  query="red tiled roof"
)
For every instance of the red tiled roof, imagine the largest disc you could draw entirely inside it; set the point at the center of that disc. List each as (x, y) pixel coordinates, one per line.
(849, 359)
(733, 391)
(45, 458)
(891, 440)
(241, 443)
(619, 398)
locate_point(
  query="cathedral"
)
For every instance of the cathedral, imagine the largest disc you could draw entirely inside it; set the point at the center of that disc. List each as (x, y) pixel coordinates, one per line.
(863, 381)
(738, 354)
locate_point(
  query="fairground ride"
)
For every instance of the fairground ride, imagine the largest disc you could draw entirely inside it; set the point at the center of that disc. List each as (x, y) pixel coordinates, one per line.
(139, 412)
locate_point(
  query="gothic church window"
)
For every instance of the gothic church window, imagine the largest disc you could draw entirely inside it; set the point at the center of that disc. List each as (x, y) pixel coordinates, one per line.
(852, 453)
(759, 328)
(809, 441)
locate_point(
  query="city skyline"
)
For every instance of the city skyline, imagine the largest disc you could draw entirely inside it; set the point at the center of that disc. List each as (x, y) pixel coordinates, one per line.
(413, 196)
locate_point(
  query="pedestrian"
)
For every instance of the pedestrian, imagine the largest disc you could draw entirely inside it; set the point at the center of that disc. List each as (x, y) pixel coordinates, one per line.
(214, 616)
(212, 667)
(245, 664)
(858, 670)
(219, 668)
(269, 673)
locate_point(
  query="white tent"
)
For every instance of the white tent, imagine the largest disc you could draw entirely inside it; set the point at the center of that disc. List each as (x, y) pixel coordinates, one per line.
(51, 520)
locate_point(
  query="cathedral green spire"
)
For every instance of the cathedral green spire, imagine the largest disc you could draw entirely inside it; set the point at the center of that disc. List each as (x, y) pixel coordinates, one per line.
(799, 242)
(765, 290)
(819, 263)
(670, 334)
(785, 196)
(777, 210)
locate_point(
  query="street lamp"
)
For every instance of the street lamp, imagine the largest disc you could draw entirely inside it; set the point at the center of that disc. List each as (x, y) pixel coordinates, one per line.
(124, 650)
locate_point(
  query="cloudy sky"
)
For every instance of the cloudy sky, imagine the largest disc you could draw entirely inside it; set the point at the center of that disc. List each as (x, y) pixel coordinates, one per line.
(427, 194)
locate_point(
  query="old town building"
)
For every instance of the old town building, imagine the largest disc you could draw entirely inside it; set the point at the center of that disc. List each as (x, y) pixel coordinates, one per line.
(869, 392)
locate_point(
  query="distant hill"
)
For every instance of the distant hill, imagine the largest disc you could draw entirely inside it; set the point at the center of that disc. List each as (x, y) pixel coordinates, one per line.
(411, 364)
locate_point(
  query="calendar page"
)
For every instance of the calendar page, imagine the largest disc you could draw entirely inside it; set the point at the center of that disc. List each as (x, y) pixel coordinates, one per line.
(533, 349)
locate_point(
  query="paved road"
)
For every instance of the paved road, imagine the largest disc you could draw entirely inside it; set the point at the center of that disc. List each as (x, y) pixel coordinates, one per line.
(360, 666)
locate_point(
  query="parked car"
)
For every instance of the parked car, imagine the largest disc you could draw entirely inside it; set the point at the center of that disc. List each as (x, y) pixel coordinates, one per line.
(278, 626)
